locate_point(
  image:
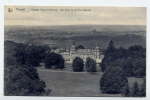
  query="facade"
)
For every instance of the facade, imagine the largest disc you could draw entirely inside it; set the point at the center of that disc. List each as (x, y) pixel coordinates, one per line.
(70, 54)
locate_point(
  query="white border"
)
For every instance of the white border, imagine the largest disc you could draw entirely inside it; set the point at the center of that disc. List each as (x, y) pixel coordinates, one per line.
(132, 3)
(78, 2)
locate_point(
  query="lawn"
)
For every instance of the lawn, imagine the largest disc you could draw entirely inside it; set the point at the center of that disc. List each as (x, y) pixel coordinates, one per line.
(65, 83)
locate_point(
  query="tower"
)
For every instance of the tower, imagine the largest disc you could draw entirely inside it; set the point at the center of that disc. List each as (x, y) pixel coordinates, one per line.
(97, 50)
(72, 51)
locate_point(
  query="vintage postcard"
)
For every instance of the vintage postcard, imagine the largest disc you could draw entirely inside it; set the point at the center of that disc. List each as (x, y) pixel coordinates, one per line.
(71, 51)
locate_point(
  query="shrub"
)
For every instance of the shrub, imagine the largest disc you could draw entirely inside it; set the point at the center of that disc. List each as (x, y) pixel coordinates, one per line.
(54, 60)
(22, 81)
(78, 64)
(90, 65)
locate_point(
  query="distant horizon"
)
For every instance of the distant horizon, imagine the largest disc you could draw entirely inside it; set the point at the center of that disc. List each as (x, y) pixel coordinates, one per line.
(81, 28)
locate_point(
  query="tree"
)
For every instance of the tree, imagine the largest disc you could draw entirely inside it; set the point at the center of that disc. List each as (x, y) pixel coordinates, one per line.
(110, 49)
(137, 55)
(78, 64)
(121, 53)
(22, 80)
(137, 51)
(128, 67)
(31, 55)
(126, 91)
(139, 67)
(90, 65)
(61, 63)
(132, 60)
(20, 54)
(113, 80)
(54, 60)
(79, 47)
(109, 55)
(43, 51)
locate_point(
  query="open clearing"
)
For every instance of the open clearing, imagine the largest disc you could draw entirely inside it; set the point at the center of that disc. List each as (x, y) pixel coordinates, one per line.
(65, 83)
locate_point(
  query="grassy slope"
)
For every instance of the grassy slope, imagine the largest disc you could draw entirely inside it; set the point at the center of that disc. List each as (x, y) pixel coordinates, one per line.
(65, 83)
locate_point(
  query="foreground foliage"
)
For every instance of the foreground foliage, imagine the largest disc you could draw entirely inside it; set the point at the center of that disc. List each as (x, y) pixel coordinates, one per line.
(21, 78)
(132, 60)
(113, 80)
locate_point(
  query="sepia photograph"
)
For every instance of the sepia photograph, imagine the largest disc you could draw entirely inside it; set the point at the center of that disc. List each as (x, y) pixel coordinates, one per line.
(75, 51)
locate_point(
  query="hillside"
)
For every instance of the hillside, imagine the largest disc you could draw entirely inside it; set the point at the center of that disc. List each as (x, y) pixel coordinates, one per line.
(64, 36)
(72, 83)
(64, 83)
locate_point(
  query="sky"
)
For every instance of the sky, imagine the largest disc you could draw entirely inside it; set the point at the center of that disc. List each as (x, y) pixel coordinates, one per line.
(51, 16)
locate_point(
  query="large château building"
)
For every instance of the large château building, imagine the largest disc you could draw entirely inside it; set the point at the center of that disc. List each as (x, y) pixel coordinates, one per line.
(71, 53)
